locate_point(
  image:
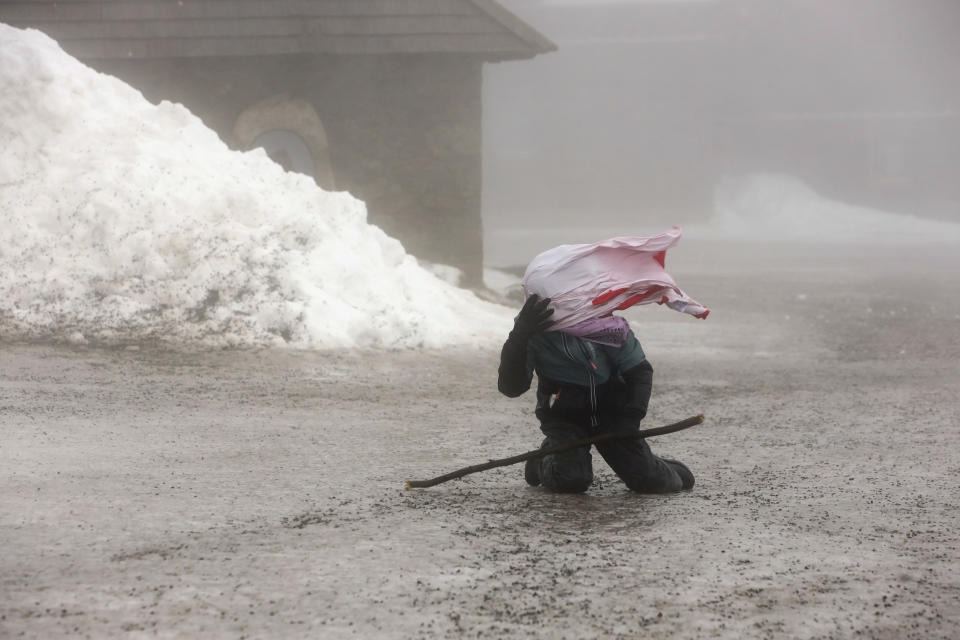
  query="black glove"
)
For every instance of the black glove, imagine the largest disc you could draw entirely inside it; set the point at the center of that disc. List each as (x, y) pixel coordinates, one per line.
(534, 317)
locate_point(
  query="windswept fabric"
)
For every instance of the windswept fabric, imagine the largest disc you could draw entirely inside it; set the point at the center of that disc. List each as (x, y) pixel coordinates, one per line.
(587, 281)
(609, 330)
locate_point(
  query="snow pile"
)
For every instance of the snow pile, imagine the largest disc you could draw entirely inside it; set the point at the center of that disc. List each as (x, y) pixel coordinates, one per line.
(778, 208)
(504, 284)
(123, 220)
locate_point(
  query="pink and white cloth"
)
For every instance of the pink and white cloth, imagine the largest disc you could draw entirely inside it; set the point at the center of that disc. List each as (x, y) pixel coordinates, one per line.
(587, 281)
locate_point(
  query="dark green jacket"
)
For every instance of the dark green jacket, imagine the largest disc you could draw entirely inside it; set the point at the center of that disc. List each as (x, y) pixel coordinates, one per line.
(567, 359)
(578, 381)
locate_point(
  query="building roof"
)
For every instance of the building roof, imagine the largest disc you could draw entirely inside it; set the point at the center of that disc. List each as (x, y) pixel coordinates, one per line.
(103, 29)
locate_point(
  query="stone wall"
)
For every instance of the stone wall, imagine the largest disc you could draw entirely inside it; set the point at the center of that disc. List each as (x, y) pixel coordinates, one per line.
(403, 132)
(405, 136)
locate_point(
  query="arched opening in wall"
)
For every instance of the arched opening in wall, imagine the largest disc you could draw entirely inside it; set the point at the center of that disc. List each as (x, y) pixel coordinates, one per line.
(290, 131)
(288, 150)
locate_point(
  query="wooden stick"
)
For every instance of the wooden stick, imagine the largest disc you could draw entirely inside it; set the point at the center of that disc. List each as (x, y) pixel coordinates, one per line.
(539, 453)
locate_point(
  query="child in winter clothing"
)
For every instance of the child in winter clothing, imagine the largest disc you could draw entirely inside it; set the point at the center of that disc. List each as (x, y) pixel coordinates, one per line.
(592, 377)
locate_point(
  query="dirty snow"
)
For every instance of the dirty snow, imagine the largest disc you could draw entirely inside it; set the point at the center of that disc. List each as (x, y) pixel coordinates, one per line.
(128, 221)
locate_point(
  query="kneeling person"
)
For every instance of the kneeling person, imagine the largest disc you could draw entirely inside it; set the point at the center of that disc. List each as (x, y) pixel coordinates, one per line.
(592, 377)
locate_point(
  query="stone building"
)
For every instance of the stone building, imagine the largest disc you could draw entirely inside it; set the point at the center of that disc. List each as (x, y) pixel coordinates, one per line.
(381, 98)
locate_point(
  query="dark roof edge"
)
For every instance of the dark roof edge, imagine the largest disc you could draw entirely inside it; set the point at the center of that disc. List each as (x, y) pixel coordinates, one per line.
(537, 42)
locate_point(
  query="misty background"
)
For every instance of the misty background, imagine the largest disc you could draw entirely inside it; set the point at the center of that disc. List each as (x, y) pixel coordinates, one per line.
(648, 105)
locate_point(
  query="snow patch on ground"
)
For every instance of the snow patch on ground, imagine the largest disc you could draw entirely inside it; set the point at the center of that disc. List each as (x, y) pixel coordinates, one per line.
(504, 283)
(124, 221)
(777, 208)
(761, 209)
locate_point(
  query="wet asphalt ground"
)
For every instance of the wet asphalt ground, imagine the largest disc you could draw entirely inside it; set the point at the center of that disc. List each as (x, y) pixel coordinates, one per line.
(150, 492)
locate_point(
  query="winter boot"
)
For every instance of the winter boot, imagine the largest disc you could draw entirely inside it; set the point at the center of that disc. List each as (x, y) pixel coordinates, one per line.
(683, 471)
(531, 470)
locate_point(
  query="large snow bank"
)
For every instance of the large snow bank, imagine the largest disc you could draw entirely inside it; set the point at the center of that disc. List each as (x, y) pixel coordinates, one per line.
(122, 220)
(767, 207)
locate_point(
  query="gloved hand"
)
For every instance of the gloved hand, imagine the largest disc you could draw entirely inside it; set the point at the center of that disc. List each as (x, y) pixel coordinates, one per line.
(533, 318)
(514, 373)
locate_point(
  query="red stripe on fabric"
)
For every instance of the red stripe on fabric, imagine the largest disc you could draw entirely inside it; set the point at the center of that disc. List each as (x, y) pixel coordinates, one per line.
(702, 315)
(632, 300)
(661, 257)
(603, 297)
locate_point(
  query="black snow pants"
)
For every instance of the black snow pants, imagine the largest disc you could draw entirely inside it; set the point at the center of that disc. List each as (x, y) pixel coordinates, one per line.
(630, 458)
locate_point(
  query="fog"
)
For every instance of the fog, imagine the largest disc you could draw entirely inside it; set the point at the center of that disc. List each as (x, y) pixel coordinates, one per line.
(649, 106)
(215, 377)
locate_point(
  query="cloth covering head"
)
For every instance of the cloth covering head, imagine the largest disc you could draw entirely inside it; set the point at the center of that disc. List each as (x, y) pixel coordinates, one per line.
(591, 281)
